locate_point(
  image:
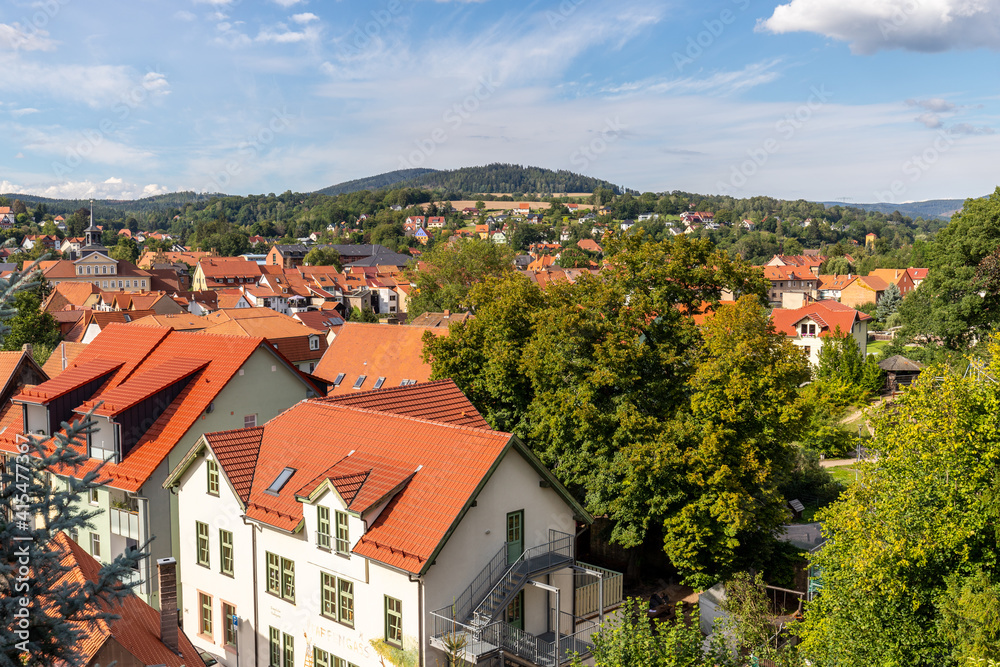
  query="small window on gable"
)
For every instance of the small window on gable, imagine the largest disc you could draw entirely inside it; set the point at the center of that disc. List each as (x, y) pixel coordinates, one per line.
(340, 378)
(280, 481)
(314, 342)
(379, 382)
(250, 421)
(360, 381)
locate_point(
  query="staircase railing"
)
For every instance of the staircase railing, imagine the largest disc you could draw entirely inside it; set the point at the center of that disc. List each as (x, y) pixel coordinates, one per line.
(461, 608)
(557, 550)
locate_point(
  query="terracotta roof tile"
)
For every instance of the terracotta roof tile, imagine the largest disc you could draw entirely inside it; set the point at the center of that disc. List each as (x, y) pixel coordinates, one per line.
(128, 394)
(69, 380)
(375, 350)
(236, 452)
(828, 314)
(438, 401)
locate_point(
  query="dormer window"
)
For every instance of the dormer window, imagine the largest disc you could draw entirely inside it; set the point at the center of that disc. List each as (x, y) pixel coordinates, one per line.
(313, 342)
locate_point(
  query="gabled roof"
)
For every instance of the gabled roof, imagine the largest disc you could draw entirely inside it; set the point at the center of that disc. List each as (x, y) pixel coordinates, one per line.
(439, 401)
(874, 283)
(69, 380)
(138, 628)
(143, 386)
(828, 314)
(394, 352)
(835, 282)
(917, 274)
(439, 319)
(898, 363)
(788, 273)
(62, 358)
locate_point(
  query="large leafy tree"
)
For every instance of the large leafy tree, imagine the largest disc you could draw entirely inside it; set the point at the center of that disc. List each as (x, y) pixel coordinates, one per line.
(958, 302)
(916, 535)
(29, 324)
(658, 424)
(450, 271)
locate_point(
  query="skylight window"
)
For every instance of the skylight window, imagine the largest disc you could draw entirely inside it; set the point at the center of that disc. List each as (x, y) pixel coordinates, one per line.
(340, 378)
(361, 381)
(280, 481)
(379, 382)
(404, 383)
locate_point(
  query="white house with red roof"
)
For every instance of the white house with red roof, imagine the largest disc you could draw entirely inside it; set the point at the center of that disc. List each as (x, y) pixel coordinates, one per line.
(154, 391)
(388, 518)
(809, 327)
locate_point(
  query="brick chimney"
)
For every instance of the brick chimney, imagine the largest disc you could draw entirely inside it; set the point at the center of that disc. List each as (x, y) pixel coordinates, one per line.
(167, 572)
(26, 348)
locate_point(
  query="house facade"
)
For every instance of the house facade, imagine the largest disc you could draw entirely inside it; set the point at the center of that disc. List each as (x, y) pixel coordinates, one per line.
(375, 523)
(809, 327)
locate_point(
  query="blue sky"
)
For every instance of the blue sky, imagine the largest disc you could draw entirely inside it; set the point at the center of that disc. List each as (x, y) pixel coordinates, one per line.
(854, 100)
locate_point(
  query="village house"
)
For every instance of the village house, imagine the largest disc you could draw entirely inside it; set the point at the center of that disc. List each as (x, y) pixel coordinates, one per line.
(287, 256)
(436, 222)
(7, 217)
(213, 273)
(901, 278)
(396, 516)
(809, 327)
(863, 290)
(153, 392)
(789, 280)
(47, 241)
(917, 276)
(831, 286)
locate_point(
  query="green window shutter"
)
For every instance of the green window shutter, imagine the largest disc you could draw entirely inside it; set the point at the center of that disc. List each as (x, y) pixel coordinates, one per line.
(226, 552)
(346, 594)
(328, 586)
(201, 530)
(343, 534)
(323, 527)
(275, 652)
(273, 574)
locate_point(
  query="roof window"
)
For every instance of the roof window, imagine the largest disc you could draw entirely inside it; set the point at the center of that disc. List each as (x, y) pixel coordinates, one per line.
(360, 381)
(379, 382)
(280, 481)
(340, 378)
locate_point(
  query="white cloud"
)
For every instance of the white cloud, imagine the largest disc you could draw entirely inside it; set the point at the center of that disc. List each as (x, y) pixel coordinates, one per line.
(214, 3)
(184, 15)
(305, 17)
(19, 155)
(913, 25)
(112, 188)
(930, 120)
(974, 130)
(15, 38)
(96, 86)
(288, 3)
(17, 113)
(935, 104)
(231, 37)
(285, 36)
(719, 83)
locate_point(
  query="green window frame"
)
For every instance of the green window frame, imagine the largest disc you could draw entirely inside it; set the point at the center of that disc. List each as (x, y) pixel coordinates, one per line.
(275, 646)
(287, 580)
(203, 554)
(345, 602)
(229, 632)
(393, 621)
(343, 534)
(205, 617)
(321, 658)
(328, 586)
(323, 527)
(226, 552)
(289, 650)
(273, 574)
(213, 477)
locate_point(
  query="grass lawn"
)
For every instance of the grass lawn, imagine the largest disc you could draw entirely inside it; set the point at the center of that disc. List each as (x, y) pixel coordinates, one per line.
(877, 346)
(843, 474)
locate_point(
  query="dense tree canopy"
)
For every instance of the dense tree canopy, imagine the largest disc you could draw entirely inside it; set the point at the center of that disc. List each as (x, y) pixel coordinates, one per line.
(451, 269)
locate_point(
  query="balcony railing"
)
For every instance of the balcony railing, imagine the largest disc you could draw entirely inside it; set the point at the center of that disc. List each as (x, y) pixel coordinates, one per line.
(589, 596)
(125, 523)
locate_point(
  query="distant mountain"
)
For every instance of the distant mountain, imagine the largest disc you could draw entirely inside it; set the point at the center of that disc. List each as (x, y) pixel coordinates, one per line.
(933, 208)
(382, 181)
(492, 178)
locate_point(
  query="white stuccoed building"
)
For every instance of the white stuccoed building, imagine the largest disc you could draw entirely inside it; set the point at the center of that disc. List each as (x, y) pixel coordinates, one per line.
(382, 521)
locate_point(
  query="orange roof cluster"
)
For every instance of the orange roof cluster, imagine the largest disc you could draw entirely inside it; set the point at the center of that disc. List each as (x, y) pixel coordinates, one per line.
(62, 358)
(392, 352)
(134, 391)
(429, 469)
(137, 631)
(145, 359)
(834, 282)
(773, 273)
(436, 401)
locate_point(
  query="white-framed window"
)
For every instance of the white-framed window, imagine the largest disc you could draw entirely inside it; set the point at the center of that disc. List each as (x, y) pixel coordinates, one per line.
(250, 421)
(313, 342)
(95, 545)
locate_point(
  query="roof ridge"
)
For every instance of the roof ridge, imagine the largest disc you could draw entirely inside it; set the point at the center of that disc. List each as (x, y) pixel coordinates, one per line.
(408, 418)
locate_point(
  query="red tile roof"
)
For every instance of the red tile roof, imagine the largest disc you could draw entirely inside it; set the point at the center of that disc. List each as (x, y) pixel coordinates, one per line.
(137, 389)
(69, 380)
(437, 465)
(62, 358)
(828, 314)
(394, 352)
(917, 274)
(788, 273)
(138, 628)
(836, 282)
(438, 401)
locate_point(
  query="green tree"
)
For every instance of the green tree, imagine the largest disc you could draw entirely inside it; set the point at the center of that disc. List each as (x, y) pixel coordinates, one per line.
(127, 250)
(889, 303)
(323, 256)
(792, 246)
(631, 640)
(957, 302)
(573, 257)
(30, 324)
(451, 271)
(917, 531)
